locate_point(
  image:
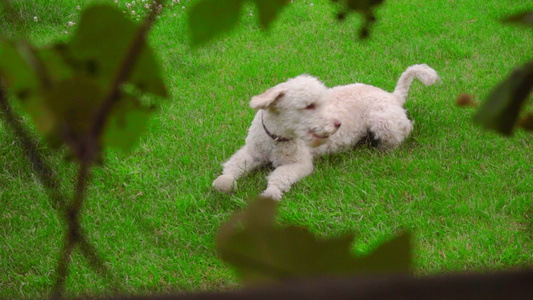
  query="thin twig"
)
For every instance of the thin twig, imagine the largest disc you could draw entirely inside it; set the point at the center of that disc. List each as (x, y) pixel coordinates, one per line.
(89, 149)
(87, 153)
(44, 172)
(48, 179)
(73, 233)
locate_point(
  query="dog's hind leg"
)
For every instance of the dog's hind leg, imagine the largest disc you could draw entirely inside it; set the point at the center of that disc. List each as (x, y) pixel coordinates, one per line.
(239, 164)
(390, 128)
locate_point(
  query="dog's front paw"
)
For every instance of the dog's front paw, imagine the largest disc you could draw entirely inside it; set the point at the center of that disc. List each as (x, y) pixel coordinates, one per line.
(225, 184)
(273, 193)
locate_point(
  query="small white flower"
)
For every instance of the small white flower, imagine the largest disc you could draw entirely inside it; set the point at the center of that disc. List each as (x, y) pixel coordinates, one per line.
(183, 7)
(132, 2)
(35, 19)
(128, 5)
(251, 14)
(147, 6)
(70, 24)
(133, 13)
(312, 4)
(78, 7)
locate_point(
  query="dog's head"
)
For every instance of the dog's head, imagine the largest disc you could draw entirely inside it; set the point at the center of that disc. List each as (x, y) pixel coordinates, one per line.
(296, 108)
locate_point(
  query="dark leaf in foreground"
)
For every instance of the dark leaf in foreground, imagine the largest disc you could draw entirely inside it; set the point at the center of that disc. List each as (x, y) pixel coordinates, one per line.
(527, 122)
(501, 109)
(128, 121)
(210, 18)
(74, 103)
(523, 18)
(80, 74)
(100, 48)
(362, 5)
(268, 10)
(366, 9)
(16, 71)
(263, 252)
(465, 100)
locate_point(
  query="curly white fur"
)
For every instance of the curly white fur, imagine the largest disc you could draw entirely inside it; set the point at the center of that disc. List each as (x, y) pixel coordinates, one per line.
(317, 120)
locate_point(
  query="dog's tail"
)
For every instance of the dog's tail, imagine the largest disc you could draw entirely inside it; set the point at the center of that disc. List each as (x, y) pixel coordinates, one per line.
(424, 73)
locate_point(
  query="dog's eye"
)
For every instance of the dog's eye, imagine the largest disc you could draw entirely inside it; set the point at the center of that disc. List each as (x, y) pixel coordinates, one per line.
(310, 106)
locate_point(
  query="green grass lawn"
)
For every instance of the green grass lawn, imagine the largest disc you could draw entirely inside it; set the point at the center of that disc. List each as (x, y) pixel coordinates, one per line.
(464, 193)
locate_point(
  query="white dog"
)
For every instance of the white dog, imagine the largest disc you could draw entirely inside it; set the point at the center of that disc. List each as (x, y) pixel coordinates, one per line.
(302, 118)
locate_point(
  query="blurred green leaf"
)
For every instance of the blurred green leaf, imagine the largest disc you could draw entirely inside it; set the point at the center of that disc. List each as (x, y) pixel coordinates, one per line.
(262, 252)
(501, 109)
(45, 120)
(527, 122)
(365, 8)
(80, 75)
(99, 47)
(268, 10)
(56, 66)
(127, 123)
(210, 18)
(523, 18)
(21, 79)
(15, 70)
(74, 102)
(362, 5)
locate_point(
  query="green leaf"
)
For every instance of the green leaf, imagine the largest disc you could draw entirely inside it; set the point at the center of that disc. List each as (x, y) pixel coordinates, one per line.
(22, 80)
(523, 18)
(366, 9)
(45, 120)
(99, 46)
(268, 10)
(16, 71)
(393, 256)
(74, 103)
(75, 77)
(362, 5)
(56, 66)
(210, 18)
(527, 122)
(501, 109)
(262, 252)
(128, 121)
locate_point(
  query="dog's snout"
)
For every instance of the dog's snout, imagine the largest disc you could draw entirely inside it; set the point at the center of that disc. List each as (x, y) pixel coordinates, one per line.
(337, 124)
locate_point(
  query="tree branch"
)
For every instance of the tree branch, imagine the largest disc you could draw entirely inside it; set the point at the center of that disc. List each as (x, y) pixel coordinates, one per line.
(73, 231)
(46, 175)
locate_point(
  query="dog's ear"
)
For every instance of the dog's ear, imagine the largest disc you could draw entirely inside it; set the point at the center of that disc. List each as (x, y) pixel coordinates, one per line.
(267, 99)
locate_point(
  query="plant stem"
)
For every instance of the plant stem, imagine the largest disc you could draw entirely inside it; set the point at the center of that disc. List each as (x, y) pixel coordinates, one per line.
(73, 231)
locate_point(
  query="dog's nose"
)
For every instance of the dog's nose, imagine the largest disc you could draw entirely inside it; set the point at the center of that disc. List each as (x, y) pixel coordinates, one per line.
(337, 124)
